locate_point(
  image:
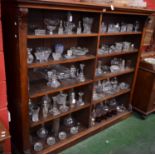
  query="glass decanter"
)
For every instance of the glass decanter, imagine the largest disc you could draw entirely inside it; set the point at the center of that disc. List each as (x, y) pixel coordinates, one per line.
(80, 101)
(35, 113)
(79, 28)
(30, 57)
(60, 29)
(55, 111)
(62, 98)
(72, 100)
(81, 76)
(87, 25)
(52, 79)
(99, 69)
(69, 26)
(42, 132)
(73, 72)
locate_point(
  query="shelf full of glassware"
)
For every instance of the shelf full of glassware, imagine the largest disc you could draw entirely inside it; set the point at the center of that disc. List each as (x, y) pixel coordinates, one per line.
(73, 70)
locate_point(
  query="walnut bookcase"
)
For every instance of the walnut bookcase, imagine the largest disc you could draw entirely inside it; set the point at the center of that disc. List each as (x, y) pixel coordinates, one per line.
(17, 17)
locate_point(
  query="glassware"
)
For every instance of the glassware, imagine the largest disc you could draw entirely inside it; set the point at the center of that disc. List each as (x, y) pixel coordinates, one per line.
(55, 111)
(111, 28)
(61, 99)
(95, 95)
(30, 107)
(60, 29)
(107, 87)
(80, 101)
(35, 113)
(51, 140)
(124, 85)
(129, 64)
(113, 106)
(56, 127)
(136, 26)
(52, 79)
(119, 46)
(105, 69)
(40, 32)
(78, 51)
(81, 76)
(42, 132)
(72, 100)
(69, 17)
(38, 146)
(87, 24)
(117, 27)
(123, 27)
(126, 46)
(130, 27)
(93, 116)
(73, 72)
(103, 28)
(69, 55)
(30, 58)
(114, 83)
(79, 28)
(69, 26)
(74, 130)
(45, 108)
(42, 54)
(99, 69)
(69, 121)
(62, 135)
(99, 88)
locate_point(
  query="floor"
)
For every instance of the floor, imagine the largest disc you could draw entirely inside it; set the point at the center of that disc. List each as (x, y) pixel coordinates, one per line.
(134, 136)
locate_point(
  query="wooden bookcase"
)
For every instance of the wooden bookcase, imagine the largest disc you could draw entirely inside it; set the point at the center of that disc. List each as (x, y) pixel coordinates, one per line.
(17, 17)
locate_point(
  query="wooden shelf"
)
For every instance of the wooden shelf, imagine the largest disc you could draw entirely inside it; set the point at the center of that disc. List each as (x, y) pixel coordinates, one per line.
(84, 133)
(40, 89)
(117, 54)
(50, 118)
(111, 75)
(108, 97)
(63, 61)
(61, 36)
(120, 33)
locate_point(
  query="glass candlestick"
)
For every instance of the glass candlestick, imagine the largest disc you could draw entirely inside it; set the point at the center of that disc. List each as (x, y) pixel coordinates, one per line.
(52, 79)
(79, 29)
(45, 109)
(60, 30)
(81, 76)
(72, 100)
(99, 69)
(80, 101)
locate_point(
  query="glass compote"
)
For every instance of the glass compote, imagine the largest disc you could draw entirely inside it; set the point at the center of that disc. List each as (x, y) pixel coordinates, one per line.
(52, 79)
(80, 101)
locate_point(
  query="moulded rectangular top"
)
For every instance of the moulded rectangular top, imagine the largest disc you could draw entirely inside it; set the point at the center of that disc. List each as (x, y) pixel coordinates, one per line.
(90, 5)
